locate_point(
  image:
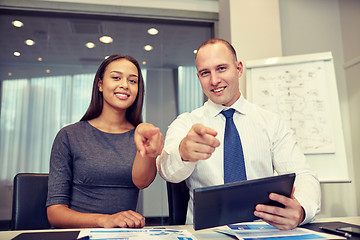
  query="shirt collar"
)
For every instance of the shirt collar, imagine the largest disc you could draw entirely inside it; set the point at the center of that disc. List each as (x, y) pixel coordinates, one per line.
(215, 109)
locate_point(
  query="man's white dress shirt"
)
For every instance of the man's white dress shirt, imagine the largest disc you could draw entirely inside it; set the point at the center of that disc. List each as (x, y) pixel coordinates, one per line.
(269, 148)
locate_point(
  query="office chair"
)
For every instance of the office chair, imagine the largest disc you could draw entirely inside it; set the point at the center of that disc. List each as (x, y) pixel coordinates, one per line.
(178, 197)
(29, 199)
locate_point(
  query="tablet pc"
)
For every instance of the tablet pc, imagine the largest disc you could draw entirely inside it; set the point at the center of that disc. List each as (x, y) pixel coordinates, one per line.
(48, 235)
(235, 202)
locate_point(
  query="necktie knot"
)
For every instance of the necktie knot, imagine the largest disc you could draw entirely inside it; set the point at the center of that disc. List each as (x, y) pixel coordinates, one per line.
(228, 113)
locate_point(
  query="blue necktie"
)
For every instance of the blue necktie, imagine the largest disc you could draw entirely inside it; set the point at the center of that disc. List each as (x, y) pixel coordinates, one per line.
(234, 165)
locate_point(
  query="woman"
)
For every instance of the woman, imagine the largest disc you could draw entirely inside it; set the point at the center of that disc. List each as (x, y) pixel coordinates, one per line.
(96, 170)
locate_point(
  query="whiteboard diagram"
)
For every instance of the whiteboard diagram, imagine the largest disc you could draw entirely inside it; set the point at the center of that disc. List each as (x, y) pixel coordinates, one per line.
(296, 92)
(303, 90)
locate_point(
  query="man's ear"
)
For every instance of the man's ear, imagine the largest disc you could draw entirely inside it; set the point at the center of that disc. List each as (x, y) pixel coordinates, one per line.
(240, 68)
(100, 85)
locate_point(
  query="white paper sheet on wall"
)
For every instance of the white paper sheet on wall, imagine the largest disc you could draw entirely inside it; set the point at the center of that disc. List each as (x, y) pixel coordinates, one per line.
(298, 93)
(303, 90)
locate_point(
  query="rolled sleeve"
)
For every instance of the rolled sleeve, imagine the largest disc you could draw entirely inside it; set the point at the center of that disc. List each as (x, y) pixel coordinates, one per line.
(169, 164)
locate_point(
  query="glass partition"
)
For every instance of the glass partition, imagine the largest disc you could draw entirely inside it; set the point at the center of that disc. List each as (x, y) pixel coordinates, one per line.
(48, 62)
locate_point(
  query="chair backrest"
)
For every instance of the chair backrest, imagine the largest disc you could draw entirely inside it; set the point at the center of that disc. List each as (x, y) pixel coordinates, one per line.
(178, 198)
(29, 199)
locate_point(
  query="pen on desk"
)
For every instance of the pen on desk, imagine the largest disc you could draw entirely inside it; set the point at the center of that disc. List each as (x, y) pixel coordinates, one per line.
(337, 232)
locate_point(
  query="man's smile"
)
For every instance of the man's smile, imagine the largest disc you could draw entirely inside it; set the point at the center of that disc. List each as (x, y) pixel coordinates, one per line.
(216, 90)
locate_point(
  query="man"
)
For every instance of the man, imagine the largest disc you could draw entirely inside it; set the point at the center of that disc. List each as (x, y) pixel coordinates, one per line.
(194, 143)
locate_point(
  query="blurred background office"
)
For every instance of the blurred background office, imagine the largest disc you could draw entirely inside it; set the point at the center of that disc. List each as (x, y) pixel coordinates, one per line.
(50, 51)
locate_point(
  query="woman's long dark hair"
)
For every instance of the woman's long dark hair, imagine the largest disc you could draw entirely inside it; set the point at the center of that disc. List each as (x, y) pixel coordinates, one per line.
(133, 113)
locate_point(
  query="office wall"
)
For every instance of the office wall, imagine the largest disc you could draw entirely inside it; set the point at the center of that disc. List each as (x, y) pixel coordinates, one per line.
(314, 26)
(350, 22)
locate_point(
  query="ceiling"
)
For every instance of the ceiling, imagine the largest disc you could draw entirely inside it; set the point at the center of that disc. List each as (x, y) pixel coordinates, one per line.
(60, 41)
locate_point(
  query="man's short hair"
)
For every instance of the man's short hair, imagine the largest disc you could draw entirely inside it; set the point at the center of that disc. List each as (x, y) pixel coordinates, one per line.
(218, 40)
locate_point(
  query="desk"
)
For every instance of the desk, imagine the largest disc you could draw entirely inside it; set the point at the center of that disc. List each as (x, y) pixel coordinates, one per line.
(205, 234)
(350, 220)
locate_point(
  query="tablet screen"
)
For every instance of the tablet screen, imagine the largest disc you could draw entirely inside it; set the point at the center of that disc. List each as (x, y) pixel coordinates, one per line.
(235, 202)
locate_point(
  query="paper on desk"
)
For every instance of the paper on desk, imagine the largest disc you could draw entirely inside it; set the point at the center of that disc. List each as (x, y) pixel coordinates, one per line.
(264, 231)
(136, 234)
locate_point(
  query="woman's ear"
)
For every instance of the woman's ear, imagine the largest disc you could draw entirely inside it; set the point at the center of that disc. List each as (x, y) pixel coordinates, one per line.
(100, 83)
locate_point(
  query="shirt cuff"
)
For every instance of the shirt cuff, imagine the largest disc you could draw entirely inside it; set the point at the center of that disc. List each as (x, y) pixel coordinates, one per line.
(172, 168)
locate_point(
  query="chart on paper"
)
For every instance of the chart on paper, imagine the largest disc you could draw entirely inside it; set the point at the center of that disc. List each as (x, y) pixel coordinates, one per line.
(296, 92)
(302, 89)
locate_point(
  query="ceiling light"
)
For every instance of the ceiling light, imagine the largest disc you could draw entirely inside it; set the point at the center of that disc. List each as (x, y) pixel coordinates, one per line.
(106, 39)
(148, 47)
(10, 74)
(90, 45)
(47, 70)
(144, 62)
(17, 23)
(39, 59)
(195, 51)
(16, 54)
(152, 31)
(29, 42)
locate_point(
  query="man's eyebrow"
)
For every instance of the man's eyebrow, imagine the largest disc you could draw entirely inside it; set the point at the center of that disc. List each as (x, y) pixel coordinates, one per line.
(202, 70)
(219, 65)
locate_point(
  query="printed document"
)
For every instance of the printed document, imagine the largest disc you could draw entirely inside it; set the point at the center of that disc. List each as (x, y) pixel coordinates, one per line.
(264, 231)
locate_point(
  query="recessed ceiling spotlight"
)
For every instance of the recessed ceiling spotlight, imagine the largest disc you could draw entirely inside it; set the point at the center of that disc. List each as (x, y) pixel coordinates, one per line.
(17, 23)
(90, 45)
(148, 47)
(152, 31)
(144, 62)
(29, 42)
(17, 54)
(106, 39)
(10, 74)
(195, 51)
(40, 59)
(47, 70)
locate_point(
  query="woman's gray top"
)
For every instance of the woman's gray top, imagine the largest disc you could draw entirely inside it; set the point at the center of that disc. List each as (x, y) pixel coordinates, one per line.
(91, 170)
